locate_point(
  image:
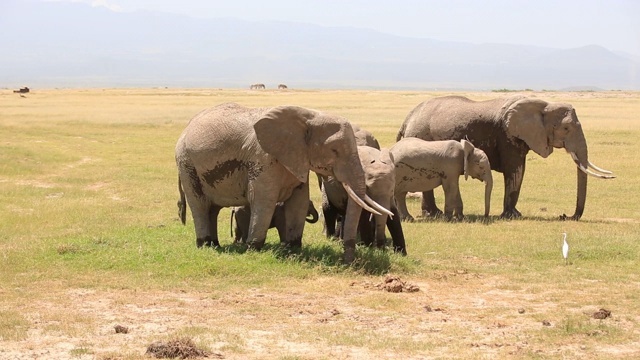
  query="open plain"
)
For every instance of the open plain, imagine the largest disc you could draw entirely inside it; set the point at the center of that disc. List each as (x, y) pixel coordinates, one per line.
(90, 242)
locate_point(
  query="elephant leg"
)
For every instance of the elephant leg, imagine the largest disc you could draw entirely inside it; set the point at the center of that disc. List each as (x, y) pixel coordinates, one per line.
(330, 215)
(380, 227)
(350, 229)
(365, 229)
(241, 216)
(429, 207)
(214, 211)
(512, 184)
(261, 214)
(395, 229)
(295, 213)
(401, 201)
(451, 195)
(278, 221)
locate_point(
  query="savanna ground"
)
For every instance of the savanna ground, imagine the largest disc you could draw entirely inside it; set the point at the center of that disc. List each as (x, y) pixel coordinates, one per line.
(90, 240)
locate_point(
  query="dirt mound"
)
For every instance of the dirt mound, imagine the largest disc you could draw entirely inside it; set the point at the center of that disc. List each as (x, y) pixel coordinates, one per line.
(393, 283)
(181, 348)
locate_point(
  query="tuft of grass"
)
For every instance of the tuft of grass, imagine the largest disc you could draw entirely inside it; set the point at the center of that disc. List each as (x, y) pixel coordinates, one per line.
(13, 326)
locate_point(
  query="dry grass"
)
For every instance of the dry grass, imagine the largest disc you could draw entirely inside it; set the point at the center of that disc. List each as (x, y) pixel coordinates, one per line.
(89, 239)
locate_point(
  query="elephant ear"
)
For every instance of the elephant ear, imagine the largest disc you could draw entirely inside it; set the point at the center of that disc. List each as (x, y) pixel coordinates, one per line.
(524, 120)
(468, 148)
(282, 132)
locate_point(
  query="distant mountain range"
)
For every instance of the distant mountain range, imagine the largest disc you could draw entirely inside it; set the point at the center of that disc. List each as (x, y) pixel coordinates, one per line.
(75, 45)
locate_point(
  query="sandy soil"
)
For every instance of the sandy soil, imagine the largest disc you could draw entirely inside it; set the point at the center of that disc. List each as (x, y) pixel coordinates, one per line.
(458, 315)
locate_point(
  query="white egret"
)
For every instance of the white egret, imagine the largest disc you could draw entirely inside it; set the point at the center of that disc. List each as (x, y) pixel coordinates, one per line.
(565, 248)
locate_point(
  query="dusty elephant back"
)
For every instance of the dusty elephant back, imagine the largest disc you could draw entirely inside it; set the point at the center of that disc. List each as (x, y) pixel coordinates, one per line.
(421, 165)
(444, 118)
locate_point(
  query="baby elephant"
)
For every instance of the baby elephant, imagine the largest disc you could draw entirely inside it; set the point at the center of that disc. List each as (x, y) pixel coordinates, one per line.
(242, 214)
(424, 165)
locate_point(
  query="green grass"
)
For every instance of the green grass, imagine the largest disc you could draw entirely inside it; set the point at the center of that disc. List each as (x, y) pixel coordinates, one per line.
(88, 200)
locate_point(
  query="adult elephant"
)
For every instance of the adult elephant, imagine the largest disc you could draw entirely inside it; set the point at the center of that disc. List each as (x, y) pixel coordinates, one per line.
(231, 155)
(242, 216)
(379, 170)
(505, 129)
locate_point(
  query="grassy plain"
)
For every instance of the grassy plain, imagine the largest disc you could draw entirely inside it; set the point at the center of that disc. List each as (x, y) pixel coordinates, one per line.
(90, 239)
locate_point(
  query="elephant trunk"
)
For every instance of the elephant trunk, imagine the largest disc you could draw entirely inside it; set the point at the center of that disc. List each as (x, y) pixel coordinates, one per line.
(582, 162)
(488, 187)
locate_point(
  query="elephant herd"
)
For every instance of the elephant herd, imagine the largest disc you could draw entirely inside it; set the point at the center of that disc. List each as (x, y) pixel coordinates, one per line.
(257, 160)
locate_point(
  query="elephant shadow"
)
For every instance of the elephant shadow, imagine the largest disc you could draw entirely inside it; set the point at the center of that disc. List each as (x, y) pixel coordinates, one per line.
(369, 261)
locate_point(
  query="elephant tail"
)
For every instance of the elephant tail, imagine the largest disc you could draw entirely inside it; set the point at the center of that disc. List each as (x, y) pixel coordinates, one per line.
(182, 204)
(401, 131)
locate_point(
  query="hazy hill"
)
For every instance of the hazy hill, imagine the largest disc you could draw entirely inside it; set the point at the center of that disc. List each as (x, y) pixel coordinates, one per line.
(73, 44)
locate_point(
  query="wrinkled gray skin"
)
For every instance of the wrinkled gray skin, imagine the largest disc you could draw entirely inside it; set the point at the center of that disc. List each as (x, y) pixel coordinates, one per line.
(242, 215)
(230, 155)
(505, 129)
(424, 165)
(379, 173)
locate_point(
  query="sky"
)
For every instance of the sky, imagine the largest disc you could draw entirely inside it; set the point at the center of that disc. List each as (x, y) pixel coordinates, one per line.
(613, 24)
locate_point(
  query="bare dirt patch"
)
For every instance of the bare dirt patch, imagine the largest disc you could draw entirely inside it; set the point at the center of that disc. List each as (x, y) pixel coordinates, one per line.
(323, 318)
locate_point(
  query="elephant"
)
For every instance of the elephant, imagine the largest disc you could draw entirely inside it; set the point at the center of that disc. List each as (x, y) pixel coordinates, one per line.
(380, 181)
(230, 155)
(363, 138)
(257, 86)
(424, 165)
(282, 86)
(241, 214)
(506, 129)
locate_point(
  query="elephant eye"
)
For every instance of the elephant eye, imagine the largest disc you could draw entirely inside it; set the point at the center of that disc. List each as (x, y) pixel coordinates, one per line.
(335, 152)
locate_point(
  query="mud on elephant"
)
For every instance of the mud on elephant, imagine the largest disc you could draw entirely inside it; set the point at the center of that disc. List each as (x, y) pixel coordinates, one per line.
(506, 129)
(231, 155)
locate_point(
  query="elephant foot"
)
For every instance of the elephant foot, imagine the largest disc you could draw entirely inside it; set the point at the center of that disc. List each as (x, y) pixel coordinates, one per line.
(511, 214)
(296, 243)
(256, 245)
(564, 217)
(207, 241)
(349, 251)
(408, 218)
(434, 213)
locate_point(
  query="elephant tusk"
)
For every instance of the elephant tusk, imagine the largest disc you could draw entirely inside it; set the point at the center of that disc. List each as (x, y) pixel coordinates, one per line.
(599, 169)
(377, 206)
(587, 171)
(352, 194)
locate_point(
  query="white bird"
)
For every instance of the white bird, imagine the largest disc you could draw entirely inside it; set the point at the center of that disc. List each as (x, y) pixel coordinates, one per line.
(565, 248)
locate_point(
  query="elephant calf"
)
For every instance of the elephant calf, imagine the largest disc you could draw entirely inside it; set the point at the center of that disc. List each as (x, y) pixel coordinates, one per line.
(424, 165)
(242, 215)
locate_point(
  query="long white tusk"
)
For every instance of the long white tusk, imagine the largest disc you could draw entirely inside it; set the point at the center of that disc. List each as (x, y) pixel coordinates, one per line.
(378, 207)
(587, 171)
(360, 202)
(599, 169)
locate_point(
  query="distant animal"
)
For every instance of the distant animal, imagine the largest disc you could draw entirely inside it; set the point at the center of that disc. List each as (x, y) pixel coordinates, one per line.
(23, 90)
(257, 86)
(282, 86)
(505, 129)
